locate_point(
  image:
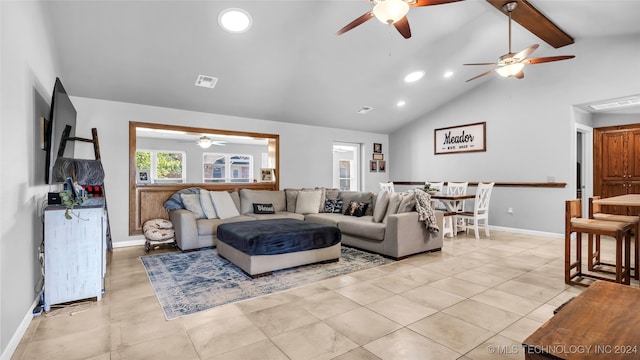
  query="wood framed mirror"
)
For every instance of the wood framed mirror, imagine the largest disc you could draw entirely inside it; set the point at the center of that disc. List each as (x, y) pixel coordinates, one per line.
(166, 158)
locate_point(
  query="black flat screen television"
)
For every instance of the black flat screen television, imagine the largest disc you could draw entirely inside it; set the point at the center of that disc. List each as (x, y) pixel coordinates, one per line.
(62, 114)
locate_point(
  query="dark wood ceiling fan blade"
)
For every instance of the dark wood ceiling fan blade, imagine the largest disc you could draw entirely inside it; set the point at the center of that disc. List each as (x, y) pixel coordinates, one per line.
(533, 20)
(359, 21)
(481, 75)
(403, 27)
(549, 59)
(432, 2)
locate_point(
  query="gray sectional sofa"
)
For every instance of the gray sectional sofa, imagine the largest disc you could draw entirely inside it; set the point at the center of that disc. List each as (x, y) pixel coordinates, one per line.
(389, 226)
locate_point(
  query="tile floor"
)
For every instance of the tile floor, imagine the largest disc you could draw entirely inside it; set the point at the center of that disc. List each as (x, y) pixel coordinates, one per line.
(473, 300)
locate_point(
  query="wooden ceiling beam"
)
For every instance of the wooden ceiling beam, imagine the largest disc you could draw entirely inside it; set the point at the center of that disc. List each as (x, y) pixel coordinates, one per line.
(533, 20)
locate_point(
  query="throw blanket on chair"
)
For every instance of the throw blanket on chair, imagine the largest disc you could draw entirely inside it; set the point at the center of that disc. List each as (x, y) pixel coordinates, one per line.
(425, 211)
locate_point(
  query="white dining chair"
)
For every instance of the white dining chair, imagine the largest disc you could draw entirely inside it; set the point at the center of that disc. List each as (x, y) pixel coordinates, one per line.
(387, 186)
(458, 188)
(480, 210)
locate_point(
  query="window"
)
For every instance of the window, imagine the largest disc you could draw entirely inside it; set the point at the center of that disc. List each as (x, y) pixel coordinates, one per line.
(345, 174)
(346, 168)
(230, 168)
(165, 166)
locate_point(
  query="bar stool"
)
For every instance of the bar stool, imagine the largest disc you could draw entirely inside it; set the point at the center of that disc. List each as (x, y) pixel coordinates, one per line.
(574, 223)
(595, 212)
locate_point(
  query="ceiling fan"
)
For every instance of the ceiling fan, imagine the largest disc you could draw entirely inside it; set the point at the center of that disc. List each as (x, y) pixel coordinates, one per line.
(512, 64)
(392, 12)
(205, 142)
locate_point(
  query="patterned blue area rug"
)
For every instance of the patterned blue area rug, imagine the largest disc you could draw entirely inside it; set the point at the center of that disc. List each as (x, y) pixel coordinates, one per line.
(186, 283)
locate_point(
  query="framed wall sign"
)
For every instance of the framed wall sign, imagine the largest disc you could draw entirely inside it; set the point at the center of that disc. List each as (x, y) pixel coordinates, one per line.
(143, 177)
(377, 148)
(378, 156)
(460, 139)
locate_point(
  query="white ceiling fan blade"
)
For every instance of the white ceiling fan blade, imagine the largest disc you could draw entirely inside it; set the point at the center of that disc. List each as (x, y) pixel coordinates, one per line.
(526, 52)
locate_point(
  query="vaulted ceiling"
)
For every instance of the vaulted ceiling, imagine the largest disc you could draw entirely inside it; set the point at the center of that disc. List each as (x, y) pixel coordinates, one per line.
(291, 66)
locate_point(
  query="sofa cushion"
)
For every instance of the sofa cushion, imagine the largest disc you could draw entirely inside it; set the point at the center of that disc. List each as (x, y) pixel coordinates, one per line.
(322, 198)
(408, 202)
(235, 196)
(291, 196)
(191, 202)
(333, 206)
(248, 197)
(224, 205)
(381, 204)
(207, 204)
(363, 227)
(365, 197)
(308, 202)
(325, 218)
(277, 215)
(356, 208)
(394, 203)
(210, 226)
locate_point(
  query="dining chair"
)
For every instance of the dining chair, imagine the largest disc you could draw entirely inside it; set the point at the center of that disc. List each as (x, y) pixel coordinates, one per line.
(480, 210)
(575, 223)
(387, 186)
(595, 212)
(458, 188)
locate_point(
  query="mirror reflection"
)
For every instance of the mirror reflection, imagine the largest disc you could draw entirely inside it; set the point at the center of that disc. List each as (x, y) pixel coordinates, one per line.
(180, 155)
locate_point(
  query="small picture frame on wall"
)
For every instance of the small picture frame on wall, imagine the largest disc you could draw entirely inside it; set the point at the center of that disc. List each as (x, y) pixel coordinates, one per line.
(373, 166)
(377, 148)
(378, 156)
(143, 177)
(267, 175)
(382, 166)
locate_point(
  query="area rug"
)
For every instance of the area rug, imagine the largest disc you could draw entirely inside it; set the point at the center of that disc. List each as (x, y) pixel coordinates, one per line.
(186, 283)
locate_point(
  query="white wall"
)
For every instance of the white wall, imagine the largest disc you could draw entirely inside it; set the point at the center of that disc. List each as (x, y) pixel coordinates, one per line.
(306, 152)
(530, 131)
(28, 72)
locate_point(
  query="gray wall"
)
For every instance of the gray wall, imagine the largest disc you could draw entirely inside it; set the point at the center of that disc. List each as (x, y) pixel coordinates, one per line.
(530, 131)
(28, 72)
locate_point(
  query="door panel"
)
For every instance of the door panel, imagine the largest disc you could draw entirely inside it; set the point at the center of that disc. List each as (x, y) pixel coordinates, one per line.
(613, 149)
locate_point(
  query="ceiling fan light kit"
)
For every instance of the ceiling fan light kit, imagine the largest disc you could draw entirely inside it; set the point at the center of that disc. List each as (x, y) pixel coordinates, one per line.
(204, 142)
(390, 11)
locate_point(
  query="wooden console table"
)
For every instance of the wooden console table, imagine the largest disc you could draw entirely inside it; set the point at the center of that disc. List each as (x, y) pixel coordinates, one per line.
(600, 323)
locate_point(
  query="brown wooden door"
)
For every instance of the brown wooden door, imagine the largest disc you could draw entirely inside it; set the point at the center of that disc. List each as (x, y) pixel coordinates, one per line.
(617, 164)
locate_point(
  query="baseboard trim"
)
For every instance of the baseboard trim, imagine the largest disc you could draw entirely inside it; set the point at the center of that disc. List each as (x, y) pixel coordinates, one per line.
(527, 232)
(121, 244)
(20, 331)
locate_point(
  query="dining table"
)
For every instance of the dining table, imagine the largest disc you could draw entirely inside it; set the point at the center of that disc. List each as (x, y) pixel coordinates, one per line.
(452, 203)
(620, 200)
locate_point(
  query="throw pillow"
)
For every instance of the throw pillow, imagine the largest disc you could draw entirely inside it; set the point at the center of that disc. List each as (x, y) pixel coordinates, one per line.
(207, 204)
(380, 209)
(175, 202)
(366, 197)
(356, 208)
(308, 202)
(191, 202)
(408, 202)
(333, 206)
(263, 209)
(292, 198)
(223, 203)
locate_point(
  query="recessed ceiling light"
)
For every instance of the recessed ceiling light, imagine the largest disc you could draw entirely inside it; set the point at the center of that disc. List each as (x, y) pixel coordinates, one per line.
(401, 103)
(235, 20)
(414, 76)
(448, 74)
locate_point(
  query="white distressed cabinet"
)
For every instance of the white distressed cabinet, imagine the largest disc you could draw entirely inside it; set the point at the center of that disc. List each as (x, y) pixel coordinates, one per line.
(74, 253)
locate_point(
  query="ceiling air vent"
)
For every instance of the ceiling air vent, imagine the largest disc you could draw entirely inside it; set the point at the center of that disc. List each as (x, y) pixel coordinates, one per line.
(206, 81)
(365, 109)
(616, 104)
